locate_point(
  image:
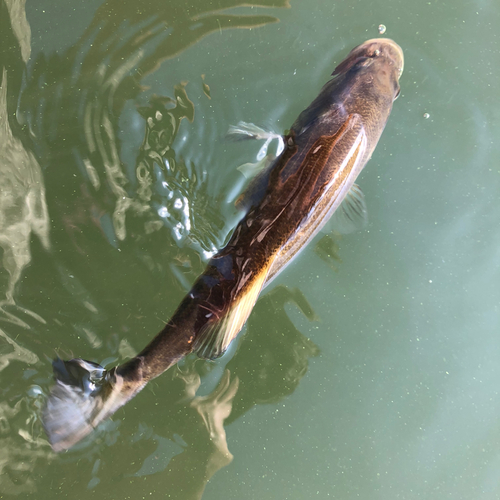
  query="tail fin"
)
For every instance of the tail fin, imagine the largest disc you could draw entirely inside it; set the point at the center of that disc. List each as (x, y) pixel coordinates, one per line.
(83, 396)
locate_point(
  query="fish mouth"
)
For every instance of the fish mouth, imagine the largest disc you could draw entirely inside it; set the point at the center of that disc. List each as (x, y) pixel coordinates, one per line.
(388, 48)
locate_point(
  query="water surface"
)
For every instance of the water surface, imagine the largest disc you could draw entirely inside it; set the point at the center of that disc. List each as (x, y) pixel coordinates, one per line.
(368, 369)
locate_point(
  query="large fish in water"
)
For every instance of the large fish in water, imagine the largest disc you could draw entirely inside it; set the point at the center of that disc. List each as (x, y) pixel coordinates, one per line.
(285, 206)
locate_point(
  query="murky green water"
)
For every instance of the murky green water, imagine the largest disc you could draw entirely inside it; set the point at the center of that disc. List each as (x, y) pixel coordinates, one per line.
(369, 369)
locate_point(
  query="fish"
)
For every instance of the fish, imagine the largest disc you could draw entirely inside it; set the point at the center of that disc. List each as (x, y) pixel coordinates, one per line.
(284, 206)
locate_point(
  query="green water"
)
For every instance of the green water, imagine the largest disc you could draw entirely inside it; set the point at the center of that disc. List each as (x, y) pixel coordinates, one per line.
(369, 369)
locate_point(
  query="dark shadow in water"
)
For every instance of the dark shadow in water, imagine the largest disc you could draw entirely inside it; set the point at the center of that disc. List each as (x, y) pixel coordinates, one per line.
(271, 362)
(74, 100)
(327, 249)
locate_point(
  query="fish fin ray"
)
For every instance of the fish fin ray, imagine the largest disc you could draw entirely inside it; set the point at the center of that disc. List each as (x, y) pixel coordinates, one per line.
(351, 215)
(77, 403)
(249, 131)
(256, 172)
(214, 339)
(245, 130)
(251, 170)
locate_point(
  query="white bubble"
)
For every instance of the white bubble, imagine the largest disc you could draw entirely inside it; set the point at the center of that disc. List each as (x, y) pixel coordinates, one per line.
(381, 29)
(426, 115)
(163, 212)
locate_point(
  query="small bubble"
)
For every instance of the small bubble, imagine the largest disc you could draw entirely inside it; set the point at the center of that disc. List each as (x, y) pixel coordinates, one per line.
(381, 29)
(426, 115)
(35, 391)
(163, 212)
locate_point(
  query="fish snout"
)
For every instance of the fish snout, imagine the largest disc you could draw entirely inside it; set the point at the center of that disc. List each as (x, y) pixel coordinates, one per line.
(386, 48)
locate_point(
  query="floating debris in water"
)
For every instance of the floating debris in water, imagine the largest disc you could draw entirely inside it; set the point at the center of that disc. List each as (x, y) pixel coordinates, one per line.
(206, 88)
(426, 115)
(381, 29)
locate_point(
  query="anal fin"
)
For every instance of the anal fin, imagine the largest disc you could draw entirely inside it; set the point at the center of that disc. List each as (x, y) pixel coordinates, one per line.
(215, 338)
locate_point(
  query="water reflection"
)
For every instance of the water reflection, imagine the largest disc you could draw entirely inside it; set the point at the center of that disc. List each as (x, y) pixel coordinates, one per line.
(173, 192)
(23, 213)
(206, 450)
(74, 100)
(23, 447)
(23, 209)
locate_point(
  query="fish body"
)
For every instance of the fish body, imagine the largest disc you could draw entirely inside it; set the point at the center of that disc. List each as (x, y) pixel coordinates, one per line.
(285, 206)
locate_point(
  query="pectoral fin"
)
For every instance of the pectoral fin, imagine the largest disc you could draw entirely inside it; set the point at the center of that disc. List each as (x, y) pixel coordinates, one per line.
(244, 131)
(351, 214)
(257, 172)
(213, 341)
(251, 170)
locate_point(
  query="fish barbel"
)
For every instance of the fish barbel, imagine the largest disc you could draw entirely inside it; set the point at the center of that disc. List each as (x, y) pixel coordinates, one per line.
(284, 207)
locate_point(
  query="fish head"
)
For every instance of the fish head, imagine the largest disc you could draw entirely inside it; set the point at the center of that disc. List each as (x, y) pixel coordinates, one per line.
(379, 60)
